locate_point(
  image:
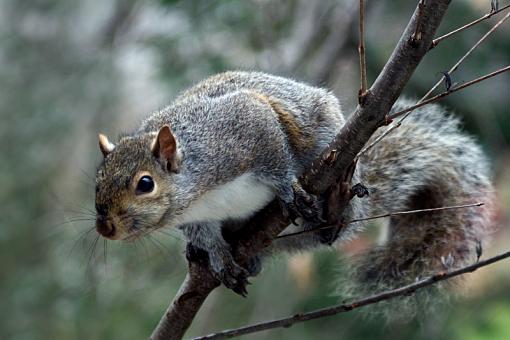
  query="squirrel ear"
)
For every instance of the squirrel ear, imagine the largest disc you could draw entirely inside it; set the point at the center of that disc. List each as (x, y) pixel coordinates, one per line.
(164, 147)
(105, 145)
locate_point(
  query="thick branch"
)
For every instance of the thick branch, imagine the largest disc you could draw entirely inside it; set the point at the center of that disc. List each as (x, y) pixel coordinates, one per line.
(196, 287)
(370, 115)
(361, 49)
(367, 117)
(387, 295)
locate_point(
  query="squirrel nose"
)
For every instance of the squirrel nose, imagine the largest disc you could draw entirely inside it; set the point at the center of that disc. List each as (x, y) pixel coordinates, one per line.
(105, 226)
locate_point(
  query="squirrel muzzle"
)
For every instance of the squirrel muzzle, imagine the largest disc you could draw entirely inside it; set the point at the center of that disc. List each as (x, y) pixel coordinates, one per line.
(106, 227)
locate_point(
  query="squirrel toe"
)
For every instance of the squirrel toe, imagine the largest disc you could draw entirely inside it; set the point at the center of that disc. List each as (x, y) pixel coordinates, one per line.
(307, 206)
(223, 267)
(227, 271)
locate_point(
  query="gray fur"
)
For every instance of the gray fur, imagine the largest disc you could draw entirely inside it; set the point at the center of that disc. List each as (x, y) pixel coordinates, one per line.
(426, 163)
(246, 122)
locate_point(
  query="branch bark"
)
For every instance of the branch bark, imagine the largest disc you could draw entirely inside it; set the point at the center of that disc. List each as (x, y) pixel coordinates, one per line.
(367, 118)
(361, 50)
(194, 290)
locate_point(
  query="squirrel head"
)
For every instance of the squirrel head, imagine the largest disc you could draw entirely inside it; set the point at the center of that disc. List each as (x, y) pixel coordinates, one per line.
(133, 183)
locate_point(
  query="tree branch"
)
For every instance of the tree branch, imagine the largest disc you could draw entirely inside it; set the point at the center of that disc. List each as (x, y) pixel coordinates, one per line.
(472, 23)
(423, 102)
(267, 224)
(452, 69)
(194, 290)
(371, 114)
(361, 49)
(396, 213)
(481, 40)
(122, 16)
(329, 311)
(447, 93)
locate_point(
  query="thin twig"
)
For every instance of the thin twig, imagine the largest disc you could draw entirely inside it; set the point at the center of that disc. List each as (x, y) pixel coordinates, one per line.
(409, 212)
(447, 93)
(397, 213)
(361, 50)
(347, 307)
(472, 23)
(420, 103)
(454, 67)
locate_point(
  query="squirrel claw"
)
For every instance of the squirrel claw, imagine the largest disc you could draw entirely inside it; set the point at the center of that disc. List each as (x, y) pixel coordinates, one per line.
(307, 206)
(223, 267)
(227, 271)
(233, 279)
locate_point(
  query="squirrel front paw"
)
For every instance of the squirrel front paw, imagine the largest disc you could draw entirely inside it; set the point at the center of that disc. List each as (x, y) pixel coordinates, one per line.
(222, 266)
(307, 206)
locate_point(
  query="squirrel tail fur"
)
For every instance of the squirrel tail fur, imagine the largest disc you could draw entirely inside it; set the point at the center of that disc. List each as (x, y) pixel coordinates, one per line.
(425, 163)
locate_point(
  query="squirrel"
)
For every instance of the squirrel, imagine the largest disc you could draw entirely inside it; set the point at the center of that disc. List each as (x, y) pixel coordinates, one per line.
(232, 143)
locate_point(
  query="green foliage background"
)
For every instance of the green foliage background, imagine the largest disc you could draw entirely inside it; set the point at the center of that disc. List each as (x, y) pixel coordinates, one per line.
(70, 69)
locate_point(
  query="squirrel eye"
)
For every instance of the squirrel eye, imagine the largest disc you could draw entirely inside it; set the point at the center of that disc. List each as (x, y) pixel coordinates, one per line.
(145, 185)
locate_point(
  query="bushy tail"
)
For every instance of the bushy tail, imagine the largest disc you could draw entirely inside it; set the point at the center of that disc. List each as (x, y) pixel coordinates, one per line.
(425, 163)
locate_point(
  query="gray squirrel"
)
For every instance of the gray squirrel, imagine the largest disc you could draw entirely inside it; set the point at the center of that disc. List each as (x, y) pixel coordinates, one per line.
(234, 142)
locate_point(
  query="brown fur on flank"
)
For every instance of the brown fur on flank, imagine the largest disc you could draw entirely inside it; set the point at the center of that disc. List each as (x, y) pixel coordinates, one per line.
(298, 138)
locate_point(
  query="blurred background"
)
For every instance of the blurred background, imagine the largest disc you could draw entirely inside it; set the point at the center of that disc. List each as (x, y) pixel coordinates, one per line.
(70, 69)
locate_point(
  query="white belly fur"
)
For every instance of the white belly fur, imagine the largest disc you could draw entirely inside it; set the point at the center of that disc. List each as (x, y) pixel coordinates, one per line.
(237, 199)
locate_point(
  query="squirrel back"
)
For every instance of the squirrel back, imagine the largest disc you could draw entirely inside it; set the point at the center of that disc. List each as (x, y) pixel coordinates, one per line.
(311, 116)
